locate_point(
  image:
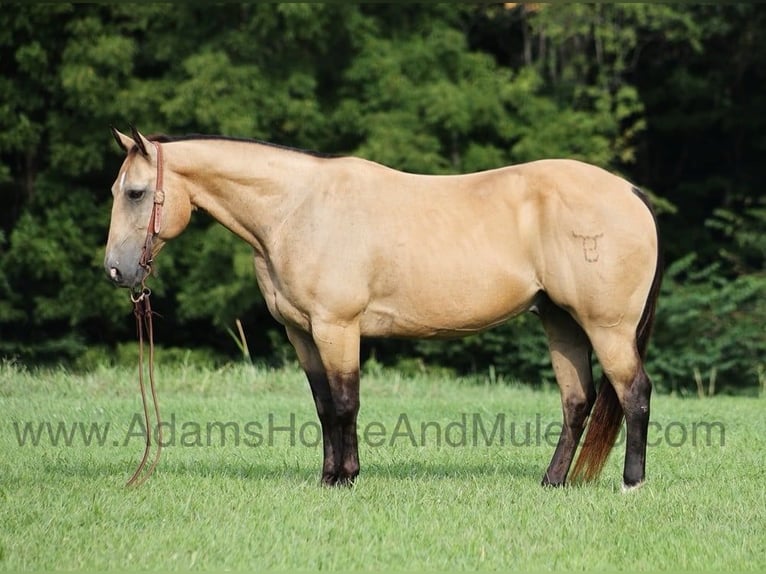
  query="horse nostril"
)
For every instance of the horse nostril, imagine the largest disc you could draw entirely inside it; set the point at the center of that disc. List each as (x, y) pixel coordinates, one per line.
(115, 274)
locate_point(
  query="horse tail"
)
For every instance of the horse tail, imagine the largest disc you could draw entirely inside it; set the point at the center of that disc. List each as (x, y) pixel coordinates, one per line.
(607, 414)
(644, 329)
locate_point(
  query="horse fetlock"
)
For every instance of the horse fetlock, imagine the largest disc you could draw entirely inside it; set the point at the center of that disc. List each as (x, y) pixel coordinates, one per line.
(350, 468)
(338, 479)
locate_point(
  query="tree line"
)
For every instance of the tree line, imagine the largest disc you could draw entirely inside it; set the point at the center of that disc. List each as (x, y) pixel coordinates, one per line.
(668, 95)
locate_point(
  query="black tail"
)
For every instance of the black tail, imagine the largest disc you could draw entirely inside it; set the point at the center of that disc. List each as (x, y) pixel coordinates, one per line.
(644, 329)
(606, 417)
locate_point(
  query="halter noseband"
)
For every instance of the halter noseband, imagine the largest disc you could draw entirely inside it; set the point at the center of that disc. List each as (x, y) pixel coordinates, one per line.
(155, 219)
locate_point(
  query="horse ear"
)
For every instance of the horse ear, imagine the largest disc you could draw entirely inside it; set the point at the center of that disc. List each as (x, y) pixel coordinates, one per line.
(122, 140)
(141, 142)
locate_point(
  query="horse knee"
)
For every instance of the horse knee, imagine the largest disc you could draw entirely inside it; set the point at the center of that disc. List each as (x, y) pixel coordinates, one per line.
(345, 395)
(638, 396)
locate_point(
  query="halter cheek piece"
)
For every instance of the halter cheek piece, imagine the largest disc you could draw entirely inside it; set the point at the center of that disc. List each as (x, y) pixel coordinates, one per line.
(155, 219)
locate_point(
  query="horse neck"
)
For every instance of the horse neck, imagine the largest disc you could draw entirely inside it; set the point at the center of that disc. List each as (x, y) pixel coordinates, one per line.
(249, 188)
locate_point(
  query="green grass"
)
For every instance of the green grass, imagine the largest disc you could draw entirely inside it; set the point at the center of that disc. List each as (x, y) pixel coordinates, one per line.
(415, 507)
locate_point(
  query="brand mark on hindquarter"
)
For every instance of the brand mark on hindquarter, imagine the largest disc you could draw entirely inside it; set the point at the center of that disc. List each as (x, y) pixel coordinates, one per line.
(589, 246)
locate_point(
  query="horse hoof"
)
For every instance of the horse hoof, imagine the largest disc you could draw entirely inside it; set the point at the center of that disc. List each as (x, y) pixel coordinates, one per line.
(631, 487)
(552, 482)
(337, 480)
(329, 479)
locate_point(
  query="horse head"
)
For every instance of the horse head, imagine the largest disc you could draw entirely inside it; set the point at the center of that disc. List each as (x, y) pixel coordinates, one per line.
(145, 213)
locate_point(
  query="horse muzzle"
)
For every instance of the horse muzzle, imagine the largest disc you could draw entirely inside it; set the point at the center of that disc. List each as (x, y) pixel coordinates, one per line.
(123, 275)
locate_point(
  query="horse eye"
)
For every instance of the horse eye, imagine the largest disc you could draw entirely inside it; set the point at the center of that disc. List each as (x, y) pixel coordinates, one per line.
(135, 194)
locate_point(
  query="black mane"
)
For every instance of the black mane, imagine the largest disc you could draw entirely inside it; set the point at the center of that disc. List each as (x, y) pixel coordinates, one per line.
(163, 138)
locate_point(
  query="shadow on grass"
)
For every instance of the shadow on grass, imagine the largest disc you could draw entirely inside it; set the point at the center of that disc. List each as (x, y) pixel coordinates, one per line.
(408, 470)
(121, 468)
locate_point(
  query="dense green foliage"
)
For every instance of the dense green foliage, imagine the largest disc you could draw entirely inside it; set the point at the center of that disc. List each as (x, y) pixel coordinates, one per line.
(232, 504)
(668, 95)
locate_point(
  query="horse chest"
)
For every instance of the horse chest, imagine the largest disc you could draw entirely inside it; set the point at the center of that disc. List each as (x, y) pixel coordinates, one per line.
(277, 299)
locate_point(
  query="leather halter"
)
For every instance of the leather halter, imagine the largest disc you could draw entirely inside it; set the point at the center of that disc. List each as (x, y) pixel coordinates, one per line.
(155, 219)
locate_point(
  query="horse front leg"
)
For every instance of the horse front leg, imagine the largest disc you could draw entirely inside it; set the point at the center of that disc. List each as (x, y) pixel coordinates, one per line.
(331, 364)
(338, 346)
(311, 363)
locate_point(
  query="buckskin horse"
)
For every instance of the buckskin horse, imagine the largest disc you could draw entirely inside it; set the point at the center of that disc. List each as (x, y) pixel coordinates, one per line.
(346, 248)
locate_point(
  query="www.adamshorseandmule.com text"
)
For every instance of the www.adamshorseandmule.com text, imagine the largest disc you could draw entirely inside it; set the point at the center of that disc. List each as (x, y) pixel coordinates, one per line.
(463, 431)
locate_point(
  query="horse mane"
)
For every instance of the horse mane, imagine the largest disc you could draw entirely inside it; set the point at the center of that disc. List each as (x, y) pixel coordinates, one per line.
(164, 138)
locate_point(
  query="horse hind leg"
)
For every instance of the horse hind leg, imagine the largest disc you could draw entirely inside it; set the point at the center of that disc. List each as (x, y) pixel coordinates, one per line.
(626, 390)
(635, 403)
(570, 352)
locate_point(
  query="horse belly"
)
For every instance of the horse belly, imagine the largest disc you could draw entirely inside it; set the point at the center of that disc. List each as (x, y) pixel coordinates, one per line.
(449, 306)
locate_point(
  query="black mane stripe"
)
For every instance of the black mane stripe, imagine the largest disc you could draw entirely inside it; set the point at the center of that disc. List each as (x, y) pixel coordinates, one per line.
(163, 138)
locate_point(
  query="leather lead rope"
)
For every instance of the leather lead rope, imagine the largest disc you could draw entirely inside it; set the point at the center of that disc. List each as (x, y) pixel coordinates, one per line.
(142, 309)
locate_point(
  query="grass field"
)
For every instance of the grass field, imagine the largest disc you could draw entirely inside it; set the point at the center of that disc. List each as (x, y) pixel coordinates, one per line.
(254, 502)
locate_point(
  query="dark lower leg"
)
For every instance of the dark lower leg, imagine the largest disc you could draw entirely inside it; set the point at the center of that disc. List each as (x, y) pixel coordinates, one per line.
(346, 399)
(636, 407)
(337, 402)
(575, 414)
(341, 458)
(331, 437)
